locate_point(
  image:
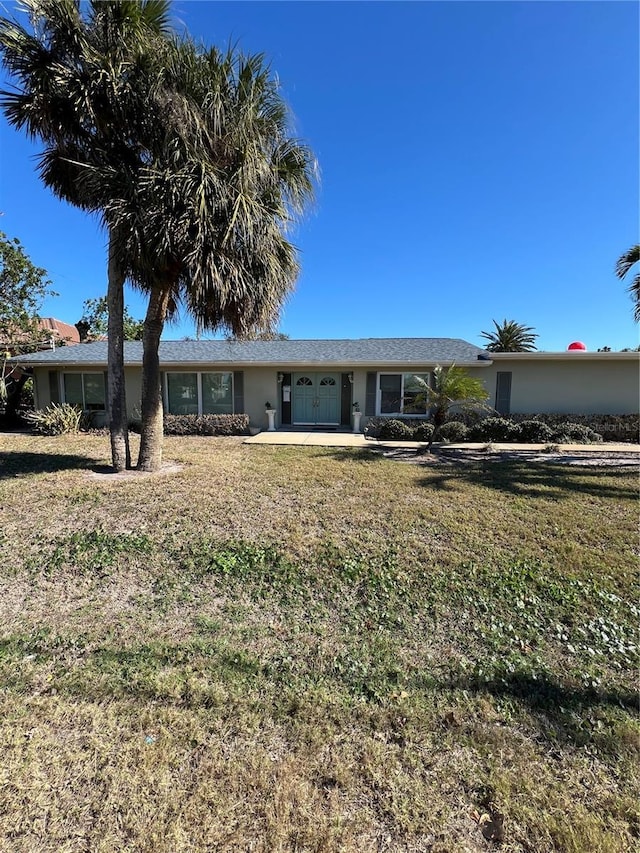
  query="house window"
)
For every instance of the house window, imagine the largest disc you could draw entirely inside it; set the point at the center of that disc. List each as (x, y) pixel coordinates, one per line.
(85, 390)
(217, 393)
(199, 393)
(402, 394)
(182, 393)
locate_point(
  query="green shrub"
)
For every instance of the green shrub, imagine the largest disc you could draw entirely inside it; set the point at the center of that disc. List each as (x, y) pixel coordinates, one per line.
(569, 433)
(56, 419)
(534, 432)
(453, 431)
(206, 424)
(423, 432)
(395, 430)
(375, 425)
(610, 427)
(493, 429)
(225, 424)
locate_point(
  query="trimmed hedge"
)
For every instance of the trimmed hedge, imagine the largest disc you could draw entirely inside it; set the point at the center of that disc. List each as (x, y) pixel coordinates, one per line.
(528, 429)
(454, 431)
(493, 429)
(395, 430)
(575, 434)
(423, 432)
(206, 424)
(610, 427)
(534, 432)
(401, 429)
(375, 425)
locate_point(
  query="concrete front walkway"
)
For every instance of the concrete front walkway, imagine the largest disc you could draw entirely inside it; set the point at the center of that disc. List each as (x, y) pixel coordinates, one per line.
(349, 439)
(315, 439)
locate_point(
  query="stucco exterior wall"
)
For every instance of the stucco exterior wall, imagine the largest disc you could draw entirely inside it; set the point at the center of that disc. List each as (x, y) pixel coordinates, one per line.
(133, 387)
(260, 386)
(41, 387)
(569, 386)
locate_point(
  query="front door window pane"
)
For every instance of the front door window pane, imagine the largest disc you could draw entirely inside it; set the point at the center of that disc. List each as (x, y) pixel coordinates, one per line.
(182, 393)
(73, 389)
(217, 394)
(390, 393)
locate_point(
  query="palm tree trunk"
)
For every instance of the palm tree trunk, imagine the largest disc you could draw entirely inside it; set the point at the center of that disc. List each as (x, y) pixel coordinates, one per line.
(116, 401)
(150, 456)
(439, 418)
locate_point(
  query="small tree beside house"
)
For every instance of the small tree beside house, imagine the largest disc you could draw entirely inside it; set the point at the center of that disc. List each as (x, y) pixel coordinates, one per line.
(451, 386)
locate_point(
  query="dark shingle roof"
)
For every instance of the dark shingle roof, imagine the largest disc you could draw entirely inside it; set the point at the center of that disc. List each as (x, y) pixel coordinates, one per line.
(364, 351)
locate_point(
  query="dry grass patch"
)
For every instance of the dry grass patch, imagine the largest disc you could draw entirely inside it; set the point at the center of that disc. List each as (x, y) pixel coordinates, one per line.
(308, 649)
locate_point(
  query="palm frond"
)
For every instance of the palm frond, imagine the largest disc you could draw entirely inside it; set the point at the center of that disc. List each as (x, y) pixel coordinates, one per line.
(627, 260)
(186, 154)
(634, 290)
(623, 265)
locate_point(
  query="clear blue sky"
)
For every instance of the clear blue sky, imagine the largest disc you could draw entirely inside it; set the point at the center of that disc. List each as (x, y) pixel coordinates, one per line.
(479, 160)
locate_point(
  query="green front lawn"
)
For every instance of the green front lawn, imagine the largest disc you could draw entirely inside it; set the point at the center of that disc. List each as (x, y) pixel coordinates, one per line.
(307, 649)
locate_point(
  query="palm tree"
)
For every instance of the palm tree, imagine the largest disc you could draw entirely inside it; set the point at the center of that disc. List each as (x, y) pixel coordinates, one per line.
(85, 87)
(198, 196)
(624, 264)
(510, 336)
(451, 386)
(207, 221)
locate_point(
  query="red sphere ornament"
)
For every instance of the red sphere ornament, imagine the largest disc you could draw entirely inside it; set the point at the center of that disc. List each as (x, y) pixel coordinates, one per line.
(577, 345)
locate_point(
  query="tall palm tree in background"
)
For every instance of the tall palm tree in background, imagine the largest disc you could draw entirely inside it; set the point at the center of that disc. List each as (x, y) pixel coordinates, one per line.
(451, 386)
(624, 264)
(510, 336)
(86, 86)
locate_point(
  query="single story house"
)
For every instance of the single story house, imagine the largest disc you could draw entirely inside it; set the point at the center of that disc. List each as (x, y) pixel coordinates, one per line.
(318, 382)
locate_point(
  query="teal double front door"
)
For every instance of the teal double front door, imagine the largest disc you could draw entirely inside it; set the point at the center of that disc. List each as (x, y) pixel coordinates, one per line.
(316, 398)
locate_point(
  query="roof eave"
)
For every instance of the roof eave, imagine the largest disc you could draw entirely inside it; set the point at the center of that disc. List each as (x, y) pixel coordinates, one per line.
(574, 354)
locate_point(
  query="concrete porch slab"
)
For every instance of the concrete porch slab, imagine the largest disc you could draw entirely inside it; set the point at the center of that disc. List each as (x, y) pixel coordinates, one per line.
(311, 439)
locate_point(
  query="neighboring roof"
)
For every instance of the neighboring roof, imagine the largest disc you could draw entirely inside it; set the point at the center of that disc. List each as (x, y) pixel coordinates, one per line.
(52, 329)
(365, 351)
(63, 331)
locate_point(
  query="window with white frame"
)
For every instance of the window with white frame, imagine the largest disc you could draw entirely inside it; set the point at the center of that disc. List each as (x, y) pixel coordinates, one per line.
(85, 390)
(199, 393)
(402, 394)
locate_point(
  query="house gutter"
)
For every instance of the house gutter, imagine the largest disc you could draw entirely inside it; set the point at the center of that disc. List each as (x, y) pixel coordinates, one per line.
(574, 355)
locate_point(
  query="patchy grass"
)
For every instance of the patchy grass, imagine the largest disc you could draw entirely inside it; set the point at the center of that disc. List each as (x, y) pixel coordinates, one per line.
(305, 649)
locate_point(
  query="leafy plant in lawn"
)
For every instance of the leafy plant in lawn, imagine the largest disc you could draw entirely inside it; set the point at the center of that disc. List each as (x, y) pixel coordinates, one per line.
(55, 419)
